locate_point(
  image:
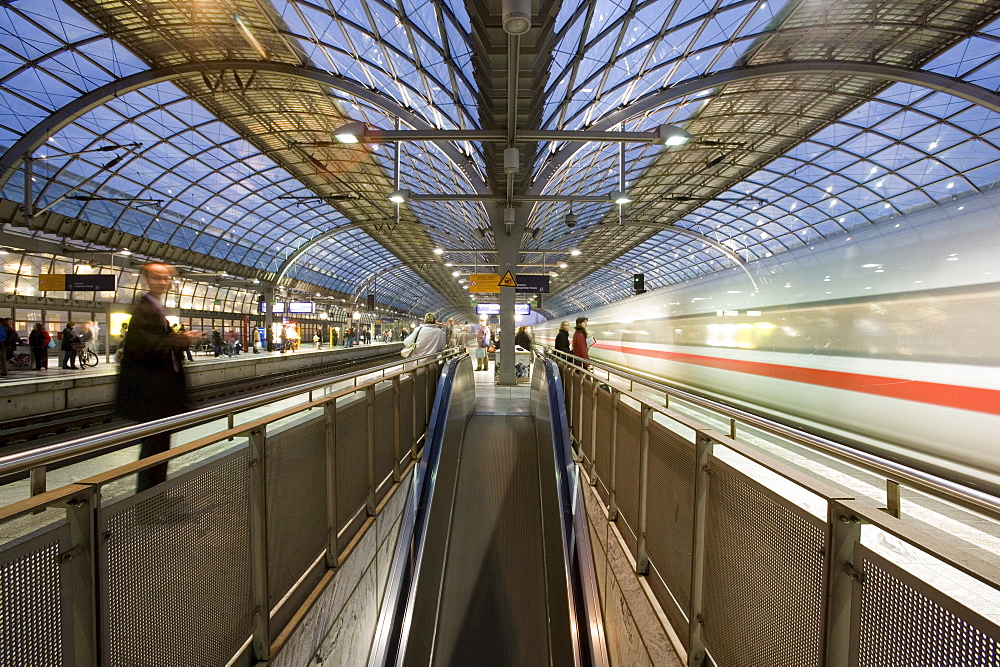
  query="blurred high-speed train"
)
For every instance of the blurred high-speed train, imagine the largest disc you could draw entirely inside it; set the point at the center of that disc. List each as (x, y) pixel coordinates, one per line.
(888, 338)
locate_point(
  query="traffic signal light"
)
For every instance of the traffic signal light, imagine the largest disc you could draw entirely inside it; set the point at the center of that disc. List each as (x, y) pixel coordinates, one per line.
(639, 282)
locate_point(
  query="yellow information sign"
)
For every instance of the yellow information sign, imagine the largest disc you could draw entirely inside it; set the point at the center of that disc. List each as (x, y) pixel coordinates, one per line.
(484, 283)
(52, 282)
(508, 280)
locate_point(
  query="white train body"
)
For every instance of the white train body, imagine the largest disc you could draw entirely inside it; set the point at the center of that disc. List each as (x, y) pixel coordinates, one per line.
(889, 337)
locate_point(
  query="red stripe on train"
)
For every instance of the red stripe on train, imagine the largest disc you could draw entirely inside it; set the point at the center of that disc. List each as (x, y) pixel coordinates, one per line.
(946, 395)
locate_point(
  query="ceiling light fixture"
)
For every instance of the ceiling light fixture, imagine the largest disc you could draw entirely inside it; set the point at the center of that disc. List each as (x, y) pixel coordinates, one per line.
(438, 251)
(352, 133)
(575, 252)
(399, 196)
(516, 16)
(671, 135)
(620, 198)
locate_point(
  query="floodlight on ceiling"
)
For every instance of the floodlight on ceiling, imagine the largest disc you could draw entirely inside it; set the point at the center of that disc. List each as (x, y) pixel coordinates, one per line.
(516, 16)
(352, 133)
(438, 251)
(456, 274)
(575, 252)
(671, 135)
(619, 198)
(399, 196)
(563, 265)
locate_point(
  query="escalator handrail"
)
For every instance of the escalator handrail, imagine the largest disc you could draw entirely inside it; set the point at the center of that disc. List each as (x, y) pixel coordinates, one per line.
(578, 557)
(409, 544)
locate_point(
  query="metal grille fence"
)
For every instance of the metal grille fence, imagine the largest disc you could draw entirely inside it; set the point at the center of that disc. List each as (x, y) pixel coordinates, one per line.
(670, 521)
(406, 443)
(352, 463)
(185, 573)
(178, 566)
(745, 575)
(385, 433)
(626, 484)
(764, 572)
(901, 621)
(32, 590)
(296, 502)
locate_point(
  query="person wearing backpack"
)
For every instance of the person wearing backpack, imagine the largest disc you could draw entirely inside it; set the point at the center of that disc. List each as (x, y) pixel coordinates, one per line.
(38, 341)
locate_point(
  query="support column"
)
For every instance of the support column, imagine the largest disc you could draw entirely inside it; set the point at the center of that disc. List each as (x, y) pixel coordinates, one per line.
(508, 240)
(269, 316)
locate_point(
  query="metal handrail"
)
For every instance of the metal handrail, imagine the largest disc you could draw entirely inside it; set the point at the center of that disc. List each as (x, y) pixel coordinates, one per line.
(932, 484)
(24, 461)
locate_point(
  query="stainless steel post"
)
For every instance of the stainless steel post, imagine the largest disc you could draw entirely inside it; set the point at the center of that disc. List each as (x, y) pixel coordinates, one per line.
(80, 559)
(845, 533)
(332, 528)
(37, 480)
(258, 544)
(892, 498)
(641, 557)
(703, 454)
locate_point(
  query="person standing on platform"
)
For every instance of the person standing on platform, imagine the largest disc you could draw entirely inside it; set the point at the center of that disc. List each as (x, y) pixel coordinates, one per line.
(217, 341)
(8, 343)
(428, 338)
(484, 338)
(38, 341)
(581, 343)
(522, 338)
(151, 383)
(69, 338)
(562, 338)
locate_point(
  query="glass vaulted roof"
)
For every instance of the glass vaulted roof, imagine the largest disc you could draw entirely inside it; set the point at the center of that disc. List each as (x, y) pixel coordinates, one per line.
(207, 130)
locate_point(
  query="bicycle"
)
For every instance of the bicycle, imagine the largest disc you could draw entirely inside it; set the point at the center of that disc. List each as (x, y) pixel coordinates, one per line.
(87, 357)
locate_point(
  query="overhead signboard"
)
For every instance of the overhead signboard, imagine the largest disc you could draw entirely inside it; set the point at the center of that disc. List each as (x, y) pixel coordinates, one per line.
(301, 307)
(77, 282)
(494, 309)
(532, 284)
(490, 283)
(279, 307)
(484, 283)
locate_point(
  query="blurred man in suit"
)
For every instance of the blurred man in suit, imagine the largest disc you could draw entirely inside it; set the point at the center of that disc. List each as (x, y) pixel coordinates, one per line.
(151, 382)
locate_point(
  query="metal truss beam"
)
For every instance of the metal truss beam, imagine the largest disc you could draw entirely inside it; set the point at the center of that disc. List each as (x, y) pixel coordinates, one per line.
(62, 117)
(967, 91)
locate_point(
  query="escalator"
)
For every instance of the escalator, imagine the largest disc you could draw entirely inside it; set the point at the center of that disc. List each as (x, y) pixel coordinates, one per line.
(488, 568)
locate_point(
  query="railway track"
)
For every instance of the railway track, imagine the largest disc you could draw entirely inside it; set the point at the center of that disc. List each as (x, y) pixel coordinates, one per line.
(28, 431)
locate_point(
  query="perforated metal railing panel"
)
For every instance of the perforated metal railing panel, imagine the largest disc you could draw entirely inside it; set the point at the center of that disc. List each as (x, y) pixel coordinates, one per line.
(627, 437)
(33, 589)
(901, 621)
(385, 431)
(405, 418)
(420, 401)
(602, 450)
(296, 502)
(352, 460)
(669, 516)
(586, 419)
(764, 575)
(178, 569)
